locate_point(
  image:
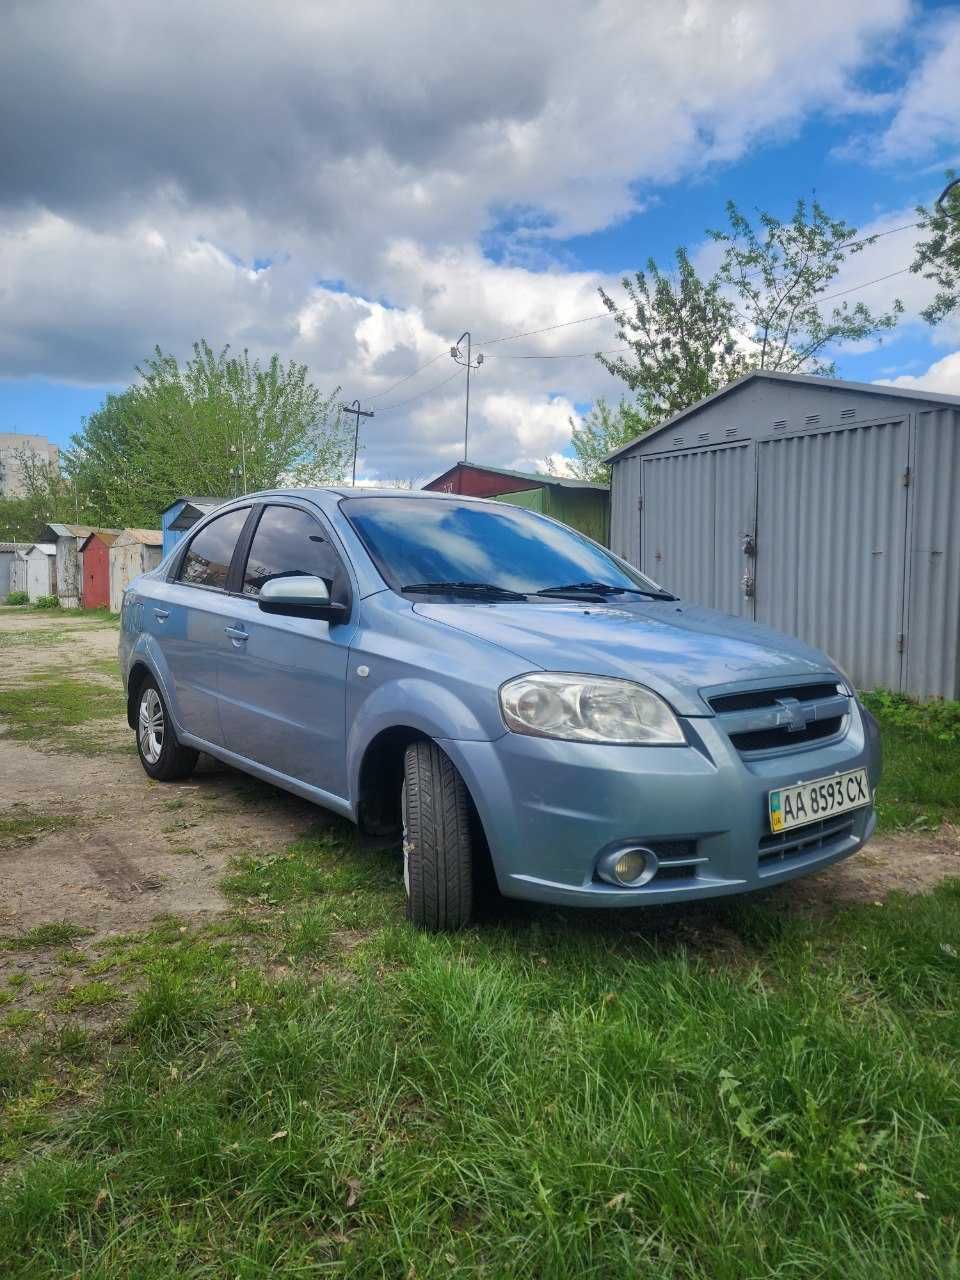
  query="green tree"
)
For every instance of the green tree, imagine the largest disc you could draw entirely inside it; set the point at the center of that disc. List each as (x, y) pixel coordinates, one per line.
(779, 275)
(937, 255)
(218, 424)
(682, 332)
(19, 520)
(99, 465)
(764, 308)
(601, 431)
(48, 494)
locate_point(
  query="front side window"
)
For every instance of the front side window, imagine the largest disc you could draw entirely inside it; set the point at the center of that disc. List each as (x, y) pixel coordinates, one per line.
(207, 561)
(287, 541)
(437, 540)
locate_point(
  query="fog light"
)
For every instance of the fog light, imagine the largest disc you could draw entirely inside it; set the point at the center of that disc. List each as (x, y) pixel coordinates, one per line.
(629, 868)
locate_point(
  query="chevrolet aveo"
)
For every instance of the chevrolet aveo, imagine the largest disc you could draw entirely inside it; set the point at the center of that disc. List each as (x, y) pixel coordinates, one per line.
(497, 690)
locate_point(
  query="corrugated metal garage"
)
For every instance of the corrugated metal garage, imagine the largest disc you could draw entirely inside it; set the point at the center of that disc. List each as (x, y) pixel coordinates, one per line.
(133, 552)
(9, 554)
(41, 571)
(68, 538)
(18, 567)
(95, 568)
(826, 509)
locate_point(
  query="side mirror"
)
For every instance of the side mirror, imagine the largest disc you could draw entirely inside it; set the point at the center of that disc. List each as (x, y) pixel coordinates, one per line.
(300, 595)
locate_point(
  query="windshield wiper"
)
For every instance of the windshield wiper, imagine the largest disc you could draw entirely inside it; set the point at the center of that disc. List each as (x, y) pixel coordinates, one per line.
(488, 590)
(603, 589)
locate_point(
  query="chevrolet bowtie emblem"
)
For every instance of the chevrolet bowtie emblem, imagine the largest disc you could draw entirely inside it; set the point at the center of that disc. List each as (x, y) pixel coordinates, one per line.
(793, 715)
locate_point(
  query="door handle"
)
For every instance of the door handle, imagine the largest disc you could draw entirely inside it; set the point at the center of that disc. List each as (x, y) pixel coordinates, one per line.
(161, 615)
(236, 633)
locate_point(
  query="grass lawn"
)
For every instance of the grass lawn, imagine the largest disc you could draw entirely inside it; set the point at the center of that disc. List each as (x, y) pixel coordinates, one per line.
(306, 1087)
(921, 762)
(55, 611)
(50, 707)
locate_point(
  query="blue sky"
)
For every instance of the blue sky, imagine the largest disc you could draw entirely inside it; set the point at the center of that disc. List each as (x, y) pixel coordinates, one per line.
(108, 249)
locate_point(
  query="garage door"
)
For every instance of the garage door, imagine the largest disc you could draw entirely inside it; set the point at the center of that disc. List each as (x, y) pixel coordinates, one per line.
(697, 509)
(931, 656)
(831, 528)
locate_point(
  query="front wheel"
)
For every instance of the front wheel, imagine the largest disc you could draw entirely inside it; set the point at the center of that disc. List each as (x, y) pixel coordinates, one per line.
(438, 862)
(160, 753)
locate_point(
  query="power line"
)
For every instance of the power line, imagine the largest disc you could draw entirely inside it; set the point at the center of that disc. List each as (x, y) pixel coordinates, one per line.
(600, 315)
(388, 408)
(866, 285)
(878, 235)
(572, 355)
(529, 333)
(579, 355)
(408, 376)
(585, 355)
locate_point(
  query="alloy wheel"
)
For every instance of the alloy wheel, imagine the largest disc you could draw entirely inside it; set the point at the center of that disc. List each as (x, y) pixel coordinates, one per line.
(150, 726)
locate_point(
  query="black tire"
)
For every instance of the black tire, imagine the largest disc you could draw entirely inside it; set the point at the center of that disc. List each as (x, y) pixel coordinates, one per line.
(162, 756)
(437, 844)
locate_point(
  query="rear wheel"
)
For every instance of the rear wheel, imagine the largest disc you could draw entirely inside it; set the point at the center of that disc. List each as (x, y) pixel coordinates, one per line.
(160, 753)
(438, 862)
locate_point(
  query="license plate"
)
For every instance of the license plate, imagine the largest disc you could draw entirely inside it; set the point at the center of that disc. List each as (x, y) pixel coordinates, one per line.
(811, 801)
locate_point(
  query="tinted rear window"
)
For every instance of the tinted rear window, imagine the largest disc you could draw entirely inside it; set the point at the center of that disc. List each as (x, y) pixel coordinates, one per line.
(208, 557)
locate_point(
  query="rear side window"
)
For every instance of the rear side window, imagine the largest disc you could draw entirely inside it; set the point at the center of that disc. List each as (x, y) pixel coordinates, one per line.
(208, 557)
(288, 541)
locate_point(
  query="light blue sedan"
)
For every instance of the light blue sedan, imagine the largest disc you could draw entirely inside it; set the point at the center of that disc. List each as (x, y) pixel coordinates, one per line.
(498, 691)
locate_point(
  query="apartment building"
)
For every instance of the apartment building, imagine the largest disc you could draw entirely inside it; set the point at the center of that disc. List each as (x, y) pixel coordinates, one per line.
(13, 444)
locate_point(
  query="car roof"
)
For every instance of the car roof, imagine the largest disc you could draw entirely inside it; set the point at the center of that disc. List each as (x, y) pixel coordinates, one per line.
(347, 491)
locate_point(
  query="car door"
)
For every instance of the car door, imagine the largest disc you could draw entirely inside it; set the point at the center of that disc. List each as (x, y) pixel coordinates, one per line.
(283, 680)
(187, 616)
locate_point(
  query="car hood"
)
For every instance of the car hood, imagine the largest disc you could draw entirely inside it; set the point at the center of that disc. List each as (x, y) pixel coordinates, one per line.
(674, 648)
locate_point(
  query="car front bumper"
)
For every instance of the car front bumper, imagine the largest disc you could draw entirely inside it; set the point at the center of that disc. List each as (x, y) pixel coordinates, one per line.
(550, 809)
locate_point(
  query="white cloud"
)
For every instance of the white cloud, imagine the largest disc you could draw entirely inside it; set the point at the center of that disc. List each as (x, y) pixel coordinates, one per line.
(413, 120)
(88, 305)
(154, 154)
(942, 376)
(928, 116)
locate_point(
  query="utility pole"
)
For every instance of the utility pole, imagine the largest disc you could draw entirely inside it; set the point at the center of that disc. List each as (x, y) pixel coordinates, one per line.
(243, 457)
(468, 364)
(358, 413)
(236, 473)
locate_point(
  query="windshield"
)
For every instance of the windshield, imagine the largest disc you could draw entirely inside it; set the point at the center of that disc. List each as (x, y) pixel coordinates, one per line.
(440, 540)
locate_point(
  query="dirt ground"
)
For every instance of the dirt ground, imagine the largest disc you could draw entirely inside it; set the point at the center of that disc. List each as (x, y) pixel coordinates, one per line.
(131, 849)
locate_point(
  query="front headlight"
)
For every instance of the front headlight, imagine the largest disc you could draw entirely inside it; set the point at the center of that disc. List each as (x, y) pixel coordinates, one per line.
(551, 704)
